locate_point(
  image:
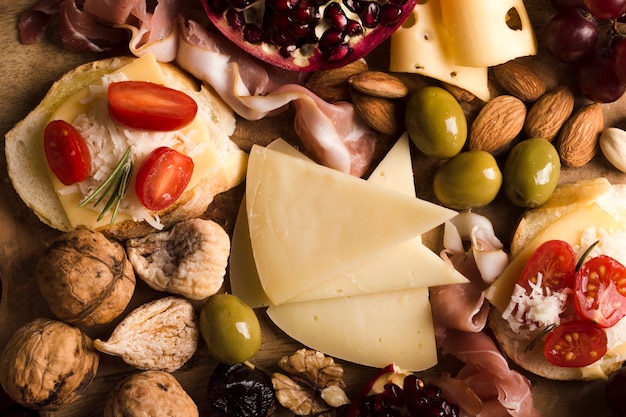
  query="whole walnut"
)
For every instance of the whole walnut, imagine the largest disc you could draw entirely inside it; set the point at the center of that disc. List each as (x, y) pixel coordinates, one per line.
(47, 364)
(150, 394)
(86, 278)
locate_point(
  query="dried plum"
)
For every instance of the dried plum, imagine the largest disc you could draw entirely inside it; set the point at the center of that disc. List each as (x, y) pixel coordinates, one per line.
(241, 391)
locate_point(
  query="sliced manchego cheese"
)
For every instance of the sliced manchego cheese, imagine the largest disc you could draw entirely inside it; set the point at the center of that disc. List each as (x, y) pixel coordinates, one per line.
(372, 329)
(569, 228)
(309, 223)
(407, 265)
(485, 33)
(422, 46)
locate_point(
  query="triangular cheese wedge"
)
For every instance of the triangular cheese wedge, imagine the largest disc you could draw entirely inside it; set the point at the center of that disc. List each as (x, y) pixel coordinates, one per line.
(309, 223)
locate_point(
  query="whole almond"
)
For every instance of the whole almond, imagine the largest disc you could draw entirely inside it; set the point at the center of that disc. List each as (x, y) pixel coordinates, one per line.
(578, 140)
(378, 84)
(497, 124)
(382, 114)
(332, 85)
(546, 117)
(519, 80)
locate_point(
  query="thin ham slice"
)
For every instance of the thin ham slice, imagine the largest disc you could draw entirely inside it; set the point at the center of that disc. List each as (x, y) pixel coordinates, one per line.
(34, 21)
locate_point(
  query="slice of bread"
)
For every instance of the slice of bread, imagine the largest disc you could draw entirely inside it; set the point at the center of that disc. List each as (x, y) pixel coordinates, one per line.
(27, 166)
(566, 199)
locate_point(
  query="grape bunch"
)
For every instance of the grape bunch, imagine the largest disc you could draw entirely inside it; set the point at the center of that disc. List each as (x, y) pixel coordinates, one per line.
(576, 35)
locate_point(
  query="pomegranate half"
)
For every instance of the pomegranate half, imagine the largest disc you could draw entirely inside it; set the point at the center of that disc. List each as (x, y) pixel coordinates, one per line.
(308, 35)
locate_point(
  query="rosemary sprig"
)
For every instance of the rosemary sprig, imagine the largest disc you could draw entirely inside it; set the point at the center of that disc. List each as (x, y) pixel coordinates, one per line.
(541, 334)
(114, 186)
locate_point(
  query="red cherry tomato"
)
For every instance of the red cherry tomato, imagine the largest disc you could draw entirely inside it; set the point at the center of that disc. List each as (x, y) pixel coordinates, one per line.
(555, 261)
(163, 177)
(66, 152)
(575, 344)
(149, 106)
(599, 291)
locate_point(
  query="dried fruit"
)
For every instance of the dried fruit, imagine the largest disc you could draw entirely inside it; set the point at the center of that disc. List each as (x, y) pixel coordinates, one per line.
(150, 393)
(86, 278)
(546, 117)
(190, 259)
(613, 145)
(332, 85)
(519, 80)
(306, 35)
(47, 364)
(313, 382)
(160, 335)
(497, 124)
(241, 391)
(578, 140)
(382, 114)
(378, 84)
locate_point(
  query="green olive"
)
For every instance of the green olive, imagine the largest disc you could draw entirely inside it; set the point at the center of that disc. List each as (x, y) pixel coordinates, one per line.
(230, 329)
(531, 172)
(470, 179)
(436, 122)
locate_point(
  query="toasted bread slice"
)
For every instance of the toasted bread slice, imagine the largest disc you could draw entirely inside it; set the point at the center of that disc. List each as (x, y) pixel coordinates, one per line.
(29, 174)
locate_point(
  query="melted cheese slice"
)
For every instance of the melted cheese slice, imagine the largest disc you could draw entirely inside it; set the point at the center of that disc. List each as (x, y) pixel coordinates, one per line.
(407, 265)
(422, 46)
(569, 228)
(309, 223)
(145, 68)
(371, 329)
(488, 32)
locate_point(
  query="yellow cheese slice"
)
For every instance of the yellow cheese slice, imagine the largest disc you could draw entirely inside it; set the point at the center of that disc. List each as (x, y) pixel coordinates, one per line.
(308, 223)
(569, 228)
(372, 329)
(407, 265)
(422, 46)
(145, 68)
(488, 32)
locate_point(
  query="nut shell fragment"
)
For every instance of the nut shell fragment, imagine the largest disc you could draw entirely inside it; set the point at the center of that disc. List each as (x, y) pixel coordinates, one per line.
(47, 364)
(86, 278)
(150, 393)
(160, 335)
(190, 259)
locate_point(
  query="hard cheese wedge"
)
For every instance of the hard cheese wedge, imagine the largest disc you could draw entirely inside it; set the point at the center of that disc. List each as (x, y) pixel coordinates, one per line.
(407, 265)
(309, 223)
(372, 329)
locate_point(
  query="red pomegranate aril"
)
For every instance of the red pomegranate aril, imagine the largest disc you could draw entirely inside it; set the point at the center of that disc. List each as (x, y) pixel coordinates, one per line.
(338, 52)
(413, 385)
(282, 6)
(235, 19)
(281, 23)
(389, 15)
(369, 14)
(253, 33)
(304, 12)
(330, 39)
(353, 28)
(335, 16)
(241, 4)
(354, 6)
(393, 395)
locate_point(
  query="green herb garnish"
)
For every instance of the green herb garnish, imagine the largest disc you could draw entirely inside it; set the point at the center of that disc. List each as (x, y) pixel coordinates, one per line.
(114, 186)
(541, 334)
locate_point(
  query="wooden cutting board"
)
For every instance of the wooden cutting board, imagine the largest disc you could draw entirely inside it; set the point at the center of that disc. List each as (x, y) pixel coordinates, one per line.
(26, 73)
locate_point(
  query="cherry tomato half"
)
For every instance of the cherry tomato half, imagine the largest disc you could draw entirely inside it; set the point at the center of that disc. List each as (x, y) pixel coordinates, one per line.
(150, 106)
(66, 152)
(575, 344)
(599, 291)
(555, 261)
(163, 177)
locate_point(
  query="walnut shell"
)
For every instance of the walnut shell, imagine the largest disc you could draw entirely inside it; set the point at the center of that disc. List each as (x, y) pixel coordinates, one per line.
(47, 364)
(150, 393)
(86, 278)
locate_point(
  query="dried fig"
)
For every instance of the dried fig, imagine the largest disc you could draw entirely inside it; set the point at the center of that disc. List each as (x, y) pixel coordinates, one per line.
(160, 335)
(189, 259)
(86, 278)
(47, 364)
(150, 393)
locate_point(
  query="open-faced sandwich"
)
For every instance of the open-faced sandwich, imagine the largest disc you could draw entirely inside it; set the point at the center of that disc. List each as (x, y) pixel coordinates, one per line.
(559, 306)
(126, 145)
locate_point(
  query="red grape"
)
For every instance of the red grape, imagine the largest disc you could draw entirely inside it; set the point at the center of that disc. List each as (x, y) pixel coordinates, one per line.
(570, 35)
(606, 9)
(596, 78)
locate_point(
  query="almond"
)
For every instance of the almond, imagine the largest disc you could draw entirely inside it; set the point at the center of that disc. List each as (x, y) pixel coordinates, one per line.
(332, 85)
(519, 80)
(382, 114)
(578, 139)
(497, 124)
(378, 84)
(546, 117)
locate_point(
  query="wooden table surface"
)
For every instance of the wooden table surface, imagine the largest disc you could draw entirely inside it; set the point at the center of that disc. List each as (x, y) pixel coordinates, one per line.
(26, 73)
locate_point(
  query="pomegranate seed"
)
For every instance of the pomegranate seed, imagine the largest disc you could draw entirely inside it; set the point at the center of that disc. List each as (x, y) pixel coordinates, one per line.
(235, 19)
(287, 50)
(393, 395)
(389, 15)
(241, 4)
(337, 52)
(354, 6)
(282, 6)
(253, 33)
(330, 39)
(353, 28)
(281, 23)
(304, 12)
(302, 32)
(369, 14)
(282, 39)
(413, 385)
(335, 17)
